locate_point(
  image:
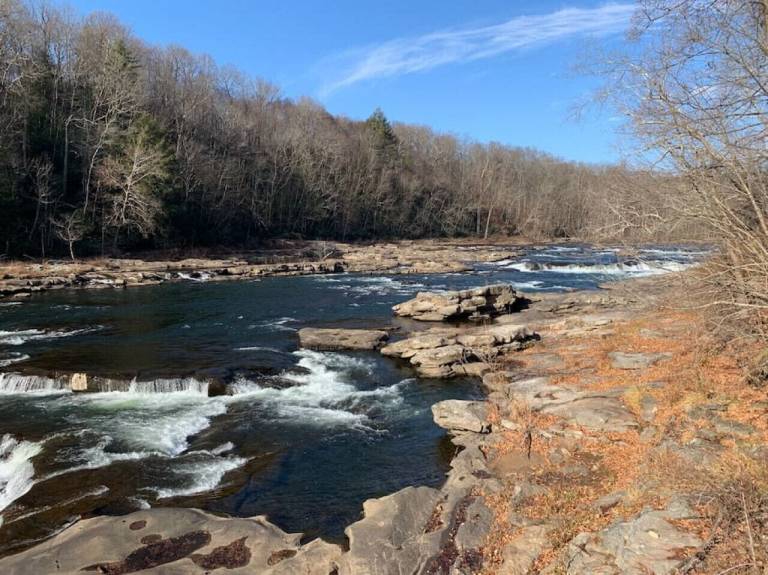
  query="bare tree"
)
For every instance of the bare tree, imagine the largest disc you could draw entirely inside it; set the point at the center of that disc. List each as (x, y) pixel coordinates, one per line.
(71, 228)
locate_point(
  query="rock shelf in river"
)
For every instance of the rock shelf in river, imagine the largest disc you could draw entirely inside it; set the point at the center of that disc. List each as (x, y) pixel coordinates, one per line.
(473, 304)
(330, 339)
(450, 354)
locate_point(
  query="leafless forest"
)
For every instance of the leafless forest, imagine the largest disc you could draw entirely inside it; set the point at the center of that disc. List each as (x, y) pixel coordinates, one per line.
(108, 144)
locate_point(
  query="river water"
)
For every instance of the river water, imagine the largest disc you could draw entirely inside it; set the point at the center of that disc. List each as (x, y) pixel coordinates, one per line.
(207, 401)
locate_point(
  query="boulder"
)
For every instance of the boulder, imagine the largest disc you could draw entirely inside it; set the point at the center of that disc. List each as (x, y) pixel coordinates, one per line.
(78, 382)
(448, 355)
(461, 415)
(340, 339)
(478, 303)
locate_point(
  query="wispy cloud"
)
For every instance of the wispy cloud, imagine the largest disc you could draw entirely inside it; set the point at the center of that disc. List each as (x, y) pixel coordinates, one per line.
(417, 54)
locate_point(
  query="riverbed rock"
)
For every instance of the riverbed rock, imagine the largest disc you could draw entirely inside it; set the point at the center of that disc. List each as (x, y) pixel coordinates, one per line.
(462, 415)
(624, 360)
(341, 339)
(174, 542)
(446, 354)
(519, 555)
(478, 303)
(78, 382)
(395, 536)
(597, 411)
(647, 543)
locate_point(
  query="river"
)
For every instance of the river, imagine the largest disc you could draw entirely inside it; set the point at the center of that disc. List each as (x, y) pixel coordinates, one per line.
(207, 402)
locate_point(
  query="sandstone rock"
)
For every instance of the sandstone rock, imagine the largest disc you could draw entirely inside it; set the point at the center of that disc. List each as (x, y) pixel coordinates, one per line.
(622, 360)
(174, 541)
(595, 411)
(339, 339)
(448, 355)
(476, 303)
(78, 382)
(461, 415)
(407, 348)
(519, 555)
(395, 536)
(648, 543)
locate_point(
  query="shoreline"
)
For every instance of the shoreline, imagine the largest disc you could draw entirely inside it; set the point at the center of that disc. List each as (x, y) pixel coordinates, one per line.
(21, 279)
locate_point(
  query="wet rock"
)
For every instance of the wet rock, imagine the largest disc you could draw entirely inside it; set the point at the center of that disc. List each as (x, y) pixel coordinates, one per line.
(476, 303)
(622, 360)
(461, 415)
(340, 339)
(647, 543)
(181, 541)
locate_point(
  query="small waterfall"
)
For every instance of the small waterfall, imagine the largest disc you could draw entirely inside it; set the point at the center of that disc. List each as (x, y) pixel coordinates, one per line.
(11, 383)
(16, 469)
(177, 385)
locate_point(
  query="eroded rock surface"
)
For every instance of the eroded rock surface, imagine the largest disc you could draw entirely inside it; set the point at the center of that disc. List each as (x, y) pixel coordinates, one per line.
(623, 360)
(461, 415)
(592, 410)
(174, 541)
(478, 303)
(647, 543)
(340, 339)
(450, 354)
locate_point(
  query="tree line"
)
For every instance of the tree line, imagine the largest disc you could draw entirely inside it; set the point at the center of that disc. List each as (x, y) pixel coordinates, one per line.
(109, 144)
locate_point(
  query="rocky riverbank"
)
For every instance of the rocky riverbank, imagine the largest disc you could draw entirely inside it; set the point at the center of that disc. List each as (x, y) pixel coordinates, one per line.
(19, 279)
(602, 447)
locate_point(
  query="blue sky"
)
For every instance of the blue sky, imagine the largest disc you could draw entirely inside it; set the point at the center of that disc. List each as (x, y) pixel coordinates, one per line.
(498, 70)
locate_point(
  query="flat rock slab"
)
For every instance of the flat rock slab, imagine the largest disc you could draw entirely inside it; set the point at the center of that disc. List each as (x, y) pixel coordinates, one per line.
(174, 541)
(341, 339)
(624, 360)
(395, 536)
(647, 543)
(461, 415)
(594, 411)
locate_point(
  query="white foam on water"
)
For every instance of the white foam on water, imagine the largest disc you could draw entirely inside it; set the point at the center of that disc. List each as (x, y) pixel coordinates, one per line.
(16, 469)
(223, 448)
(322, 395)
(201, 277)
(279, 324)
(676, 252)
(201, 476)
(15, 383)
(12, 358)
(258, 348)
(636, 269)
(9, 303)
(187, 385)
(148, 423)
(22, 336)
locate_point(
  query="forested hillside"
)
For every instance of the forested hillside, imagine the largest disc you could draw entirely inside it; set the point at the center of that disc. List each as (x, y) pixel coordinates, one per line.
(109, 144)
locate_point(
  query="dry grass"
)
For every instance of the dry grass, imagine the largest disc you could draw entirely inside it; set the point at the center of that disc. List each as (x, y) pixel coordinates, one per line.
(731, 492)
